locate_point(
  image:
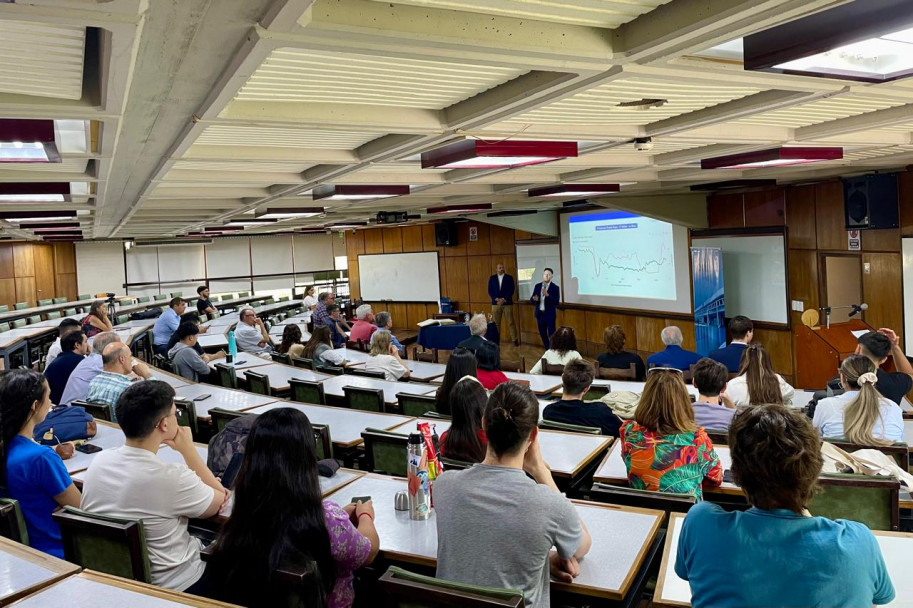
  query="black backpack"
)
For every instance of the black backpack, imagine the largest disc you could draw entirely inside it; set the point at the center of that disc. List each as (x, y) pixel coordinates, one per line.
(149, 313)
(228, 442)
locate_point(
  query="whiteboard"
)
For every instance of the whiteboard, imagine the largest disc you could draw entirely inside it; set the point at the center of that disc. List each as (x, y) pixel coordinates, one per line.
(402, 277)
(532, 260)
(907, 292)
(754, 275)
(100, 267)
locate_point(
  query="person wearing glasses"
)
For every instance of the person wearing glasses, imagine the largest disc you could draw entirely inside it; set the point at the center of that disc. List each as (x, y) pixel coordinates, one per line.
(251, 334)
(662, 447)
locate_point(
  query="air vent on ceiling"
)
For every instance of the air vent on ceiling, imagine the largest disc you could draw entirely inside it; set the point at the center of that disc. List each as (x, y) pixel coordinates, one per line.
(643, 104)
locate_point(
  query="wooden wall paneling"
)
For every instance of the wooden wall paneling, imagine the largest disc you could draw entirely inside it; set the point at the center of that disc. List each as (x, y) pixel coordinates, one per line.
(479, 267)
(355, 244)
(765, 207)
(725, 211)
(576, 319)
(803, 280)
(6, 262)
(43, 256)
(881, 290)
(689, 340)
(456, 286)
(65, 286)
(415, 313)
(881, 240)
(800, 217)
(779, 344)
(354, 282)
(8, 292)
(64, 258)
(462, 239)
(25, 290)
(412, 239)
(648, 330)
(374, 240)
(393, 239)
(23, 260)
(483, 245)
(503, 243)
(829, 221)
(397, 311)
(905, 196)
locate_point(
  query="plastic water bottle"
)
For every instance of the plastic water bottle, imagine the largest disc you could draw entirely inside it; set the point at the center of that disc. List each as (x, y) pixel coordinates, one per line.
(232, 346)
(466, 318)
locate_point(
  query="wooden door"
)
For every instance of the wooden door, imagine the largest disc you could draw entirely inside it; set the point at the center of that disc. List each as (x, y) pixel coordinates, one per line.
(44, 272)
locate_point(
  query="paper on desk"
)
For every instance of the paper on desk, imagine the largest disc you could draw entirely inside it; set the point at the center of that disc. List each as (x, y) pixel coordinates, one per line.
(859, 333)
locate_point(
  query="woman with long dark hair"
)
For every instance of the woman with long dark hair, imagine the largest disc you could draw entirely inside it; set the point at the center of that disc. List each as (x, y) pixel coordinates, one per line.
(562, 349)
(757, 383)
(465, 439)
(291, 341)
(462, 362)
(97, 320)
(279, 518)
(320, 348)
(32, 474)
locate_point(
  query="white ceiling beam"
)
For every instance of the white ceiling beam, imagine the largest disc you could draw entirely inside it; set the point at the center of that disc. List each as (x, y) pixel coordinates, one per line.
(230, 154)
(863, 122)
(331, 117)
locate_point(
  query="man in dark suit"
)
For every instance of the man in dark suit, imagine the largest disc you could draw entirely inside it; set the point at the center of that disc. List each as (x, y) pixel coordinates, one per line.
(476, 342)
(741, 329)
(501, 288)
(546, 297)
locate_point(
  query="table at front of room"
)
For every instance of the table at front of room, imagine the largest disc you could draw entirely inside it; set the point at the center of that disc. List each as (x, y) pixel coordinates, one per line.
(624, 539)
(446, 337)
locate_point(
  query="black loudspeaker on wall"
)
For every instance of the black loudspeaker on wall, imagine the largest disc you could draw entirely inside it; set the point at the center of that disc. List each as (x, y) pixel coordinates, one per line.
(870, 201)
(445, 234)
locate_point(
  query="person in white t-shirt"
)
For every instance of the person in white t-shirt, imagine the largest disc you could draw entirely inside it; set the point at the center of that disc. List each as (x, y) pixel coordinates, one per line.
(251, 334)
(384, 357)
(135, 482)
(66, 326)
(310, 299)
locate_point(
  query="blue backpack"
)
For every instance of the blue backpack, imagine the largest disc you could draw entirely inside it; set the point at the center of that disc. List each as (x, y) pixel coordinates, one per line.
(68, 423)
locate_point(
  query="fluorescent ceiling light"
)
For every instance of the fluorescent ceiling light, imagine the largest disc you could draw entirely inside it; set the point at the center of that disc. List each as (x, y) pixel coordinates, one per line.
(27, 141)
(345, 225)
(773, 157)
(565, 190)
(357, 193)
(50, 226)
(246, 222)
(288, 212)
(49, 192)
(476, 154)
(459, 209)
(734, 184)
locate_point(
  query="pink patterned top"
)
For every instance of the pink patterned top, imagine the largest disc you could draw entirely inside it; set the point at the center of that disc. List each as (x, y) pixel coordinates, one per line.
(350, 550)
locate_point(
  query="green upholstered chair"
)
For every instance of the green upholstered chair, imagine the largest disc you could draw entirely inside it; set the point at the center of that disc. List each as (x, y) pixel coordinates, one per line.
(406, 589)
(244, 294)
(360, 372)
(302, 362)
(5, 326)
(46, 302)
(283, 358)
(385, 452)
(283, 299)
(84, 296)
(4, 308)
(870, 500)
(185, 411)
(113, 545)
(100, 411)
(119, 319)
(34, 319)
(331, 370)
(258, 383)
(56, 314)
(365, 399)
(645, 499)
(18, 323)
(61, 300)
(220, 417)
(451, 464)
(21, 305)
(144, 299)
(160, 297)
(176, 294)
(69, 312)
(227, 376)
(305, 391)
(549, 425)
(12, 523)
(414, 405)
(323, 441)
(597, 391)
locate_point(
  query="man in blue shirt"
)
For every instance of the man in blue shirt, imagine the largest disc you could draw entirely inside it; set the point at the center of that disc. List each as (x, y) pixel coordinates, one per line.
(776, 553)
(741, 329)
(674, 355)
(385, 321)
(74, 348)
(167, 324)
(337, 333)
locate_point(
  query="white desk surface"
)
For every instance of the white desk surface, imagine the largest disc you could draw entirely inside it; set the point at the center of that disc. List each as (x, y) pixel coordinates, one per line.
(333, 386)
(227, 399)
(613, 471)
(621, 536)
(24, 570)
(422, 371)
(622, 385)
(135, 324)
(539, 384)
(345, 425)
(109, 437)
(173, 381)
(215, 340)
(242, 361)
(280, 374)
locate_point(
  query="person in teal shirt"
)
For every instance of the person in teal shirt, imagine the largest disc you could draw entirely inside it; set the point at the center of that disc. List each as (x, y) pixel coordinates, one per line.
(776, 553)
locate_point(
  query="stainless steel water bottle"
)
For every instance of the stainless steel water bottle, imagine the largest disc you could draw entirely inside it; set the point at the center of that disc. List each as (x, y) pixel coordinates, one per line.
(419, 483)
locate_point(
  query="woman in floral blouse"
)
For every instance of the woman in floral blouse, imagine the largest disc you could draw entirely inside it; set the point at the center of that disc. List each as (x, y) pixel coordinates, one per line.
(663, 449)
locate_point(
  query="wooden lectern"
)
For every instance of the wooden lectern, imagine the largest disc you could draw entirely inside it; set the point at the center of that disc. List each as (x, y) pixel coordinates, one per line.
(819, 351)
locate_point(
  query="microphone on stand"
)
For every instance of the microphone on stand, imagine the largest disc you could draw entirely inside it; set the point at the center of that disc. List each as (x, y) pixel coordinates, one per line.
(857, 308)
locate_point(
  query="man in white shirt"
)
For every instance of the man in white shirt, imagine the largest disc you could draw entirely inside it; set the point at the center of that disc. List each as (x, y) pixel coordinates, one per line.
(133, 482)
(251, 335)
(66, 326)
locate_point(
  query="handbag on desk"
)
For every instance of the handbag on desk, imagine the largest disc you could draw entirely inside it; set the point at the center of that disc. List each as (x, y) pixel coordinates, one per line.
(65, 423)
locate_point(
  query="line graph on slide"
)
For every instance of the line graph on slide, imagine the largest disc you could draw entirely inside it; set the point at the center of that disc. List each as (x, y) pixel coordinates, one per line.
(626, 257)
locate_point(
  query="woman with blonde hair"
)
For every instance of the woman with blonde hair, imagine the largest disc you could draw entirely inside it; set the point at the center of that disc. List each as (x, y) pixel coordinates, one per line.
(615, 356)
(384, 357)
(663, 449)
(861, 414)
(757, 383)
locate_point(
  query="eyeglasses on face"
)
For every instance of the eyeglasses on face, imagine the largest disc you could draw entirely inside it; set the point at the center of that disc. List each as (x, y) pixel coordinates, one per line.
(665, 369)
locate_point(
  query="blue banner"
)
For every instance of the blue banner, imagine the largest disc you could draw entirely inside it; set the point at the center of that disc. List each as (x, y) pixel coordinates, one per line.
(709, 299)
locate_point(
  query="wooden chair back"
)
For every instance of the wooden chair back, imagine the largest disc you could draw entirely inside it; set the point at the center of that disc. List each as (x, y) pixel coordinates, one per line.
(221, 417)
(517, 366)
(186, 413)
(551, 425)
(100, 411)
(873, 501)
(227, 376)
(428, 356)
(302, 362)
(305, 391)
(365, 373)
(385, 452)
(113, 545)
(415, 405)
(364, 399)
(282, 358)
(612, 373)
(551, 369)
(258, 383)
(642, 499)
(12, 522)
(405, 589)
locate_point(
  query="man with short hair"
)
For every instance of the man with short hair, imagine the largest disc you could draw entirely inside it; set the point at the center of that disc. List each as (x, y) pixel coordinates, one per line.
(337, 333)
(478, 326)
(572, 409)
(251, 335)
(320, 316)
(713, 409)
(75, 346)
(131, 481)
(106, 387)
(66, 326)
(188, 317)
(385, 321)
(741, 329)
(204, 306)
(546, 297)
(877, 346)
(78, 384)
(673, 355)
(167, 324)
(364, 326)
(187, 362)
(501, 289)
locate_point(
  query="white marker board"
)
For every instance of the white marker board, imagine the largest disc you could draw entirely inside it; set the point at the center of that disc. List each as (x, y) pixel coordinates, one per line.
(907, 293)
(401, 277)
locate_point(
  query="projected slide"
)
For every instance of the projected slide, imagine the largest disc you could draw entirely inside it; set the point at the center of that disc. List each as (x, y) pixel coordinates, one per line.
(620, 254)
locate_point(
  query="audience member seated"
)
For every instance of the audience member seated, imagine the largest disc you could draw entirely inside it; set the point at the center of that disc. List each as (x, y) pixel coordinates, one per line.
(97, 320)
(741, 329)
(251, 335)
(204, 306)
(757, 383)
(32, 473)
(478, 325)
(106, 387)
(615, 357)
(572, 409)
(776, 553)
(320, 316)
(489, 371)
(462, 363)
(187, 317)
(364, 325)
(185, 359)
(320, 349)
(310, 299)
(713, 409)
(131, 481)
(279, 518)
(165, 326)
(291, 341)
(673, 355)
(65, 327)
(465, 440)
(877, 346)
(562, 349)
(482, 540)
(78, 384)
(384, 357)
(385, 321)
(663, 449)
(861, 414)
(334, 323)
(75, 348)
